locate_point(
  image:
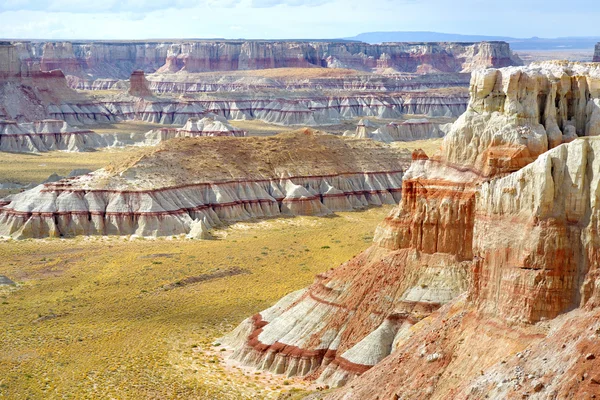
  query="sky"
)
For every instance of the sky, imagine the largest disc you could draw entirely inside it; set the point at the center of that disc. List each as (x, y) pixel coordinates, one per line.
(292, 19)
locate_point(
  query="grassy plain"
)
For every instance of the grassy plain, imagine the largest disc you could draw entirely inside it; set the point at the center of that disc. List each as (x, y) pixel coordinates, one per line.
(106, 318)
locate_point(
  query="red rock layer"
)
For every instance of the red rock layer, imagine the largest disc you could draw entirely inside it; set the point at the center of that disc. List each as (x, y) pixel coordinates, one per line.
(139, 85)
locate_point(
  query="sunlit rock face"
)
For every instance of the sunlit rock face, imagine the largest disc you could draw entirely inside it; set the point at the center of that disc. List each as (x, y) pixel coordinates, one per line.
(497, 229)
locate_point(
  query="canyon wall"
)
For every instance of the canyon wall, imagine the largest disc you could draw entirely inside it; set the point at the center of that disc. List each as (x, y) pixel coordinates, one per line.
(25, 91)
(235, 82)
(493, 231)
(303, 111)
(93, 60)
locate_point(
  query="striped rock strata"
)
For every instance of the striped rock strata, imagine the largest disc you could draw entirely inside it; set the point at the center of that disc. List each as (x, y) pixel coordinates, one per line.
(521, 243)
(46, 135)
(93, 60)
(285, 79)
(189, 185)
(295, 111)
(51, 135)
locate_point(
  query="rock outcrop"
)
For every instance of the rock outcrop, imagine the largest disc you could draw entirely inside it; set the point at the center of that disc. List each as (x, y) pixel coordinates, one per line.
(46, 135)
(493, 231)
(138, 84)
(404, 131)
(169, 190)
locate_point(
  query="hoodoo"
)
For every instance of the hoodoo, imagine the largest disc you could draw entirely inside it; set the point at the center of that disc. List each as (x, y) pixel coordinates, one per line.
(213, 180)
(493, 235)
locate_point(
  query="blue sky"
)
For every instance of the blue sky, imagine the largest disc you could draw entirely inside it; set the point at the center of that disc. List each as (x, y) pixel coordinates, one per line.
(273, 19)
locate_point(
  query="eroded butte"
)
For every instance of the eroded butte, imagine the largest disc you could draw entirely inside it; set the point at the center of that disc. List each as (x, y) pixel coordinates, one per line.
(484, 281)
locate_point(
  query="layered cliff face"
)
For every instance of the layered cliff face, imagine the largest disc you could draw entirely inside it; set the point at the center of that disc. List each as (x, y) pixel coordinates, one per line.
(294, 79)
(96, 59)
(25, 90)
(306, 111)
(402, 57)
(494, 217)
(89, 61)
(46, 135)
(189, 185)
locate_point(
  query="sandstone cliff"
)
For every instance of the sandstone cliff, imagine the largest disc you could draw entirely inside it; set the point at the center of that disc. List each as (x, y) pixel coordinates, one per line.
(494, 231)
(189, 184)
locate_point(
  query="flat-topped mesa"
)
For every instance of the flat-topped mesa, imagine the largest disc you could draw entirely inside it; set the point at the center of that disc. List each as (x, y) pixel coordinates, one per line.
(46, 135)
(402, 57)
(436, 244)
(138, 84)
(192, 183)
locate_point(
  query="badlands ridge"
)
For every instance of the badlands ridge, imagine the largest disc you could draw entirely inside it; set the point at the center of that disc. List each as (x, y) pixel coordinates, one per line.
(187, 186)
(485, 280)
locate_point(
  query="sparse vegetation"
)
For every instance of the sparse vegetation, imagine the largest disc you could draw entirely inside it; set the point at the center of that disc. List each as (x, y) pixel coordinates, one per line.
(90, 318)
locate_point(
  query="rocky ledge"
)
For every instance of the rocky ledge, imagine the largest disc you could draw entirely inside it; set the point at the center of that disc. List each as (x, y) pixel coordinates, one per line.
(187, 186)
(491, 258)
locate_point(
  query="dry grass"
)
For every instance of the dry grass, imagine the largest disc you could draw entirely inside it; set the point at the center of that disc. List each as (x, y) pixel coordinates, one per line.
(257, 127)
(91, 318)
(430, 146)
(210, 159)
(124, 127)
(34, 168)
